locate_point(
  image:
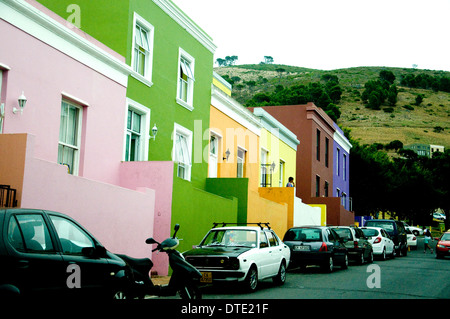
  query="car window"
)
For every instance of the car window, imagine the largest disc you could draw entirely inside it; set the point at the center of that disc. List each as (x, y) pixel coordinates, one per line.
(29, 233)
(263, 242)
(388, 226)
(370, 232)
(343, 233)
(73, 239)
(230, 237)
(273, 241)
(303, 234)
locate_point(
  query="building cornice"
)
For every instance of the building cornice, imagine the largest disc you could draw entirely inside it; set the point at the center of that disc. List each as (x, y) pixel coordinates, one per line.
(28, 18)
(186, 23)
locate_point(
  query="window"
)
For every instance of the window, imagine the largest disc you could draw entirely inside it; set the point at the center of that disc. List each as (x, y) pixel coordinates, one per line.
(29, 233)
(263, 240)
(326, 151)
(183, 152)
(338, 156)
(213, 155)
(73, 239)
(69, 136)
(273, 241)
(142, 48)
(318, 145)
(281, 176)
(185, 89)
(344, 167)
(326, 188)
(136, 132)
(264, 168)
(241, 162)
(317, 186)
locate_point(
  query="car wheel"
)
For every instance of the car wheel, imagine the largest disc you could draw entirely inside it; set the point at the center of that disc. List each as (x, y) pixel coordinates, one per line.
(251, 281)
(328, 265)
(405, 250)
(370, 259)
(383, 254)
(119, 295)
(361, 259)
(280, 278)
(345, 263)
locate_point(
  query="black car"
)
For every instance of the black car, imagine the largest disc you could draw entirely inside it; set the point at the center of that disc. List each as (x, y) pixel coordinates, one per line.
(396, 230)
(359, 247)
(316, 245)
(44, 253)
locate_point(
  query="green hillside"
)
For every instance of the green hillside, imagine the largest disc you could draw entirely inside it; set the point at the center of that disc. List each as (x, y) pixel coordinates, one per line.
(427, 123)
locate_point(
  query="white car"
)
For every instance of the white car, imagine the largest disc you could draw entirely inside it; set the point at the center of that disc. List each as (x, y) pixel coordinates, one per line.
(382, 243)
(412, 239)
(243, 254)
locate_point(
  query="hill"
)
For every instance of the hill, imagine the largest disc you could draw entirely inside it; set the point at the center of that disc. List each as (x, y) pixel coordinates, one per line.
(405, 121)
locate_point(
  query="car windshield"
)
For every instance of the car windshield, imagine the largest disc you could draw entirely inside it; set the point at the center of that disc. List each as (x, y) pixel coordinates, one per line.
(343, 232)
(370, 232)
(446, 236)
(387, 226)
(303, 234)
(230, 237)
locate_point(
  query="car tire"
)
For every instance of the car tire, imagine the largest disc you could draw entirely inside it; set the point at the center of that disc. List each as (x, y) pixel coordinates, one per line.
(344, 265)
(370, 259)
(251, 281)
(280, 278)
(361, 259)
(328, 265)
(383, 254)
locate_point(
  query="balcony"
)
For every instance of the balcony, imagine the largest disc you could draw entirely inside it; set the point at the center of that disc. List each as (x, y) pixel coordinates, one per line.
(7, 196)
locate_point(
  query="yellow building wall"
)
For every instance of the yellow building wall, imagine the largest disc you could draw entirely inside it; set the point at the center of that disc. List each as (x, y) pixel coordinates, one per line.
(278, 151)
(234, 135)
(222, 87)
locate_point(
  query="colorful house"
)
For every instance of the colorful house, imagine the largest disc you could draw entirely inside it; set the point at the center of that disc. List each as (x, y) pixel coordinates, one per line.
(314, 173)
(244, 148)
(168, 100)
(341, 170)
(62, 151)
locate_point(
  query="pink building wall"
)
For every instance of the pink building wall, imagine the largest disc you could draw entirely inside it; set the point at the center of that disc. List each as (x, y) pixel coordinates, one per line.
(117, 202)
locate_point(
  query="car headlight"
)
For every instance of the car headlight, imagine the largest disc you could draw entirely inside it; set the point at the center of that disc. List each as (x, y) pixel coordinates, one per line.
(234, 263)
(441, 246)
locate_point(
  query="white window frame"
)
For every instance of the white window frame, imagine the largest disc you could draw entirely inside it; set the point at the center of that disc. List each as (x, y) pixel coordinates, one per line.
(281, 172)
(144, 112)
(187, 165)
(147, 27)
(213, 165)
(77, 146)
(189, 70)
(240, 171)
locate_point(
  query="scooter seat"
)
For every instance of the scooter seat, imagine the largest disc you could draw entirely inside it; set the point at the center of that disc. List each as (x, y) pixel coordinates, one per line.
(138, 263)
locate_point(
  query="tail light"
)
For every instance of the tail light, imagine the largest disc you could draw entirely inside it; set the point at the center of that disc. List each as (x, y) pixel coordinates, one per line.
(377, 240)
(355, 244)
(414, 238)
(323, 247)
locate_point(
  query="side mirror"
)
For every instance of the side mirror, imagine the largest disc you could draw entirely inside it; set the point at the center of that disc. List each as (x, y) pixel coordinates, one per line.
(150, 241)
(177, 226)
(94, 252)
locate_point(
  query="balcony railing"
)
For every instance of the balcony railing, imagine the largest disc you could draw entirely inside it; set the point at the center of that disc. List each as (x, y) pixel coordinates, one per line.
(7, 196)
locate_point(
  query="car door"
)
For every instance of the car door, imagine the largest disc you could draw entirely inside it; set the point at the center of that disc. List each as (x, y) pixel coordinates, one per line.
(265, 259)
(90, 272)
(34, 263)
(338, 246)
(388, 243)
(275, 252)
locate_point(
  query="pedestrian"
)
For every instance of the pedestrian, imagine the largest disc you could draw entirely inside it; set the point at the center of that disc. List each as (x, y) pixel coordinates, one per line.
(291, 182)
(426, 241)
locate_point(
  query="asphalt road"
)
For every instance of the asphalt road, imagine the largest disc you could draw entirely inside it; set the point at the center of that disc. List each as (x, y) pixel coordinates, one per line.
(416, 276)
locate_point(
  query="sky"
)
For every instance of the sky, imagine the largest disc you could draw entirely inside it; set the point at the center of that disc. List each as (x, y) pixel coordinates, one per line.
(328, 34)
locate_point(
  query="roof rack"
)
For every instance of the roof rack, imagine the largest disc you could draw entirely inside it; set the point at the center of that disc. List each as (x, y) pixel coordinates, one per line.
(223, 224)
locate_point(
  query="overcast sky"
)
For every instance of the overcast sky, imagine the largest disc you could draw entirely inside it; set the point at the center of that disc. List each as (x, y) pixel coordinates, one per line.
(328, 34)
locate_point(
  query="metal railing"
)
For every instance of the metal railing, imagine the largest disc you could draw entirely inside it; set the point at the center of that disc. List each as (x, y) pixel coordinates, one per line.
(7, 196)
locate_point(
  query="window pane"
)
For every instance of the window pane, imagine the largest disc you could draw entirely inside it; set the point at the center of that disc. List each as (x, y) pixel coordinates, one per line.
(73, 239)
(136, 123)
(35, 233)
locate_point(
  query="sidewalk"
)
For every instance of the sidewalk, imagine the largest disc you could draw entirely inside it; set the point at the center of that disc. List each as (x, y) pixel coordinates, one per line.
(160, 280)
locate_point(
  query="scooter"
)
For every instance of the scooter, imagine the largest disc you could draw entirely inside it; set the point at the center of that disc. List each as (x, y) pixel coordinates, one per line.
(184, 280)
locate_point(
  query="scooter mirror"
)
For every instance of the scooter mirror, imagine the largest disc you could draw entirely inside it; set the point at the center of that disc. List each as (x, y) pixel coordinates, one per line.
(177, 226)
(150, 241)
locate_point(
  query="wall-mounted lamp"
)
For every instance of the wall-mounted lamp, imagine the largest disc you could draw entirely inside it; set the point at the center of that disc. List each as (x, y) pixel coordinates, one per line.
(22, 101)
(227, 154)
(154, 132)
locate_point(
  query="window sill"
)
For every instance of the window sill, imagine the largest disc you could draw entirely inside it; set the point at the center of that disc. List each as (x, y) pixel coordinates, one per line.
(142, 79)
(185, 105)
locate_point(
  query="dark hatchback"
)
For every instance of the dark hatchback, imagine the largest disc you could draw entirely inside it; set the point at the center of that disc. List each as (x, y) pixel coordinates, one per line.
(316, 245)
(45, 253)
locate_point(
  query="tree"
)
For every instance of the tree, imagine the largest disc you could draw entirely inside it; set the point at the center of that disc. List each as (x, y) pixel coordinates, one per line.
(387, 76)
(268, 59)
(419, 99)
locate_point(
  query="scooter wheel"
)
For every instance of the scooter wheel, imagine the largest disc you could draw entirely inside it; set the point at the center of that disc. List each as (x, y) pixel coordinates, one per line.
(190, 291)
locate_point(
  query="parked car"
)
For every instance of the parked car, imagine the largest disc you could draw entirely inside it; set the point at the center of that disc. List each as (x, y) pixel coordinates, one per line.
(359, 248)
(48, 253)
(439, 216)
(443, 246)
(243, 254)
(412, 239)
(396, 231)
(382, 243)
(316, 245)
(415, 230)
